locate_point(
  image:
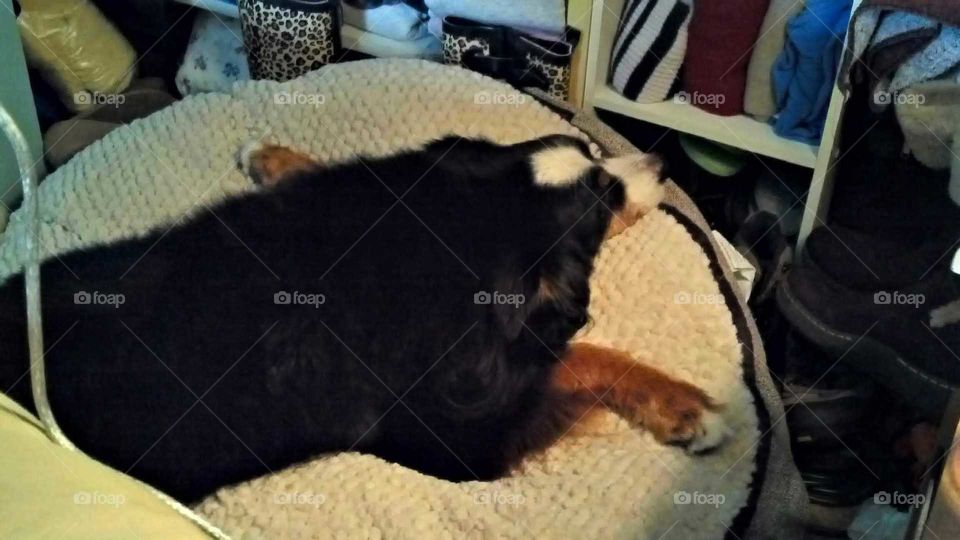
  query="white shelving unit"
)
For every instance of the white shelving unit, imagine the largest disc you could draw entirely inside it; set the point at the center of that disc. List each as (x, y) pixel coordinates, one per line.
(738, 131)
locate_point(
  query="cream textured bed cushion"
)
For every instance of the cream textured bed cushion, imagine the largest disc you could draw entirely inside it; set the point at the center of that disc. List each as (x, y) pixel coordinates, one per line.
(615, 482)
(656, 295)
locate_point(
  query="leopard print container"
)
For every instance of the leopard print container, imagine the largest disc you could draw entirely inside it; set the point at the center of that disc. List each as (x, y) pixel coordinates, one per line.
(454, 47)
(287, 38)
(463, 36)
(551, 60)
(508, 54)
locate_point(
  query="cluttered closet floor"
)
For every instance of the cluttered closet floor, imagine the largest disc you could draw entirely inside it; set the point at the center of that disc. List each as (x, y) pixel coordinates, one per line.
(862, 412)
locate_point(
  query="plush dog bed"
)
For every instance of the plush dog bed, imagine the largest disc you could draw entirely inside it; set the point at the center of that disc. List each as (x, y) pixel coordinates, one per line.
(660, 293)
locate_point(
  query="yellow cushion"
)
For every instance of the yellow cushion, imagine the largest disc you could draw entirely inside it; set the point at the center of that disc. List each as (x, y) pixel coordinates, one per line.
(47, 491)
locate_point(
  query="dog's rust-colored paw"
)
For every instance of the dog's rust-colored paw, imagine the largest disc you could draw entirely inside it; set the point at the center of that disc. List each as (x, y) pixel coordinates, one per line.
(674, 411)
(268, 164)
(681, 414)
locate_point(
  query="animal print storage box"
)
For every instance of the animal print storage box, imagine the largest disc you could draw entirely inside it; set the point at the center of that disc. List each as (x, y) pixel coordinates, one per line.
(287, 38)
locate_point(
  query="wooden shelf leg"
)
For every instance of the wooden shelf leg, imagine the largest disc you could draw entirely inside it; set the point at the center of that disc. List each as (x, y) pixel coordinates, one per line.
(821, 184)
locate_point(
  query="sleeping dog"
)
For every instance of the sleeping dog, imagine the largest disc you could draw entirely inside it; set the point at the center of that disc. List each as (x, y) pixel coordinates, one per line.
(418, 307)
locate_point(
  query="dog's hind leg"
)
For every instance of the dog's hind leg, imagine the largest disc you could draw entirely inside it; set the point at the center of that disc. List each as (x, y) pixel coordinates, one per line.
(675, 412)
(269, 164)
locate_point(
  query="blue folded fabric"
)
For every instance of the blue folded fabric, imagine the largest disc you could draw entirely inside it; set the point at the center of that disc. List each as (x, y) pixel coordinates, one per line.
(804, 73)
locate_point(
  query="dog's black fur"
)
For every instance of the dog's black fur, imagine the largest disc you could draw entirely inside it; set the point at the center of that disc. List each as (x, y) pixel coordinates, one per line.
(199, 379)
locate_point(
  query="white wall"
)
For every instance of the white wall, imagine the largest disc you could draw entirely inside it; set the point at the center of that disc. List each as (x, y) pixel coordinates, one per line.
(16, 97)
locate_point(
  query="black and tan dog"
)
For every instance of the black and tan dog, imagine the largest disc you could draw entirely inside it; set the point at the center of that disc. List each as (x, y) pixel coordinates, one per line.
(418, 307)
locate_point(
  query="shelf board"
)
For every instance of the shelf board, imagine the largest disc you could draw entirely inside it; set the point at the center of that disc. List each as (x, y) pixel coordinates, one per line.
(220, 7)
(352, 38)
(738, 131)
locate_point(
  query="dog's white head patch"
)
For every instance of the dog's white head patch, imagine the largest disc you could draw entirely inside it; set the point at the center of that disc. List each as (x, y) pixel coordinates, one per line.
(559, 166)
(640, 174)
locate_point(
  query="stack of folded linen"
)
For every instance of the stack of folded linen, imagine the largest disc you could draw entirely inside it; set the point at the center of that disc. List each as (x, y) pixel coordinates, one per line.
(388, 28)
(907, 52)
(544, 19)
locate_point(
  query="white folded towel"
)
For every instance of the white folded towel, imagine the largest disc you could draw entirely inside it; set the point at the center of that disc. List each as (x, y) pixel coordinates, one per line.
(397, 21)
(548, 16)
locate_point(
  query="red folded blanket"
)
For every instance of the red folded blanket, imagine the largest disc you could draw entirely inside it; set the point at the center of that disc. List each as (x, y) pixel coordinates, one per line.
(721, 36)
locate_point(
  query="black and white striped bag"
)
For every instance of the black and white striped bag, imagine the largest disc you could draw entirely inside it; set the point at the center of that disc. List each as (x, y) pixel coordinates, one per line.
(649, 48)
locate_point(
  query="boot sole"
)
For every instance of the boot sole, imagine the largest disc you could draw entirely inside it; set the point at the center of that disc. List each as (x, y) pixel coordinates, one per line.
(869, 356)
